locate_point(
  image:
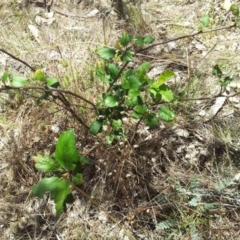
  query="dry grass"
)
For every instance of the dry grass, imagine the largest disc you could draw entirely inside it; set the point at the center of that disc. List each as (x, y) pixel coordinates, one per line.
(151, 184)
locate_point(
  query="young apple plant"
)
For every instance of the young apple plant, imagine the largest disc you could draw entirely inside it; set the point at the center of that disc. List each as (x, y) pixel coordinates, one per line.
(65, 167)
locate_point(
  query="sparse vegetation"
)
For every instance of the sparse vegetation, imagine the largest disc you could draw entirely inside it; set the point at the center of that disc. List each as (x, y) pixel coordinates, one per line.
(157, 133)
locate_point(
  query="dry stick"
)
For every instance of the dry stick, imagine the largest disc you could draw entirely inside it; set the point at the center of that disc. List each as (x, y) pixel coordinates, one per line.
(18, 59)
(185, 36)
(48, 89)
(92, 201)
(66, 103)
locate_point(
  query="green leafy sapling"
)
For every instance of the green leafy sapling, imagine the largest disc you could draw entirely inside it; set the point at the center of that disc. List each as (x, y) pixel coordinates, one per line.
(130, 92)
(222, 81)
(65, 167)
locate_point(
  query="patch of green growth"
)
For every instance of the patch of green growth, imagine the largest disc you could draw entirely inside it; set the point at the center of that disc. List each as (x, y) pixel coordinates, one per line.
(65, 168)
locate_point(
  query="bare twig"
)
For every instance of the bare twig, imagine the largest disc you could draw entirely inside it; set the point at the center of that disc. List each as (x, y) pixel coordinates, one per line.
(18, 59)
(185, 36)
(48, 89)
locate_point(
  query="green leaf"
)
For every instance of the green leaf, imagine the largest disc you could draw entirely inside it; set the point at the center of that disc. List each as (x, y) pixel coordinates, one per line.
(117, 124)
(77, 179)
(46, 164)
(130, 80)
(136, 115)
(40, 75)
(226, 81)
(151, 120)
(110, 138)
(127, 57)
(53, 82)
(5, 76)
(132, 93)
(166, 92)
(140, 109)
(113, 71)
(59, 191)
(103, 76)
(217, 71)
(162, 78)
(142, 70)
(235, 10)
(106, 53)
(66, 152)
(18, 81)
(148, 40)
(139, 41)
(125, 39)
(165, 114)
(156, 96)
(133, 101)
(205, 20)
(95, 127)
(111, 101)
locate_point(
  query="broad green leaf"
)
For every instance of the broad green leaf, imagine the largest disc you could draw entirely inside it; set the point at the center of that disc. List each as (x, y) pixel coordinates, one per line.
(148, 40)
(162, 78)
(132, 93)
(59, 191)
(140, 109)
(151, 120)
(127, 57)
(117, 124)
(100, 73)
(142, 70)
(18, 81)
(125, 39)
(53, 82)
(39, 75)
(66, 152)
(226, 81)
(131, 81)
(136, 115)
(46, 164)
(111, 101)
(217, 71)
(110, 138)
(155, 95)
(166, 92)
(5, 76)
(139, 41)
(205, 20)
(95, 127)
(113, 70)
(106, 53)
(235, 10)
(103, 76)
(165, 114)
(134, 101)
(77, 179)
